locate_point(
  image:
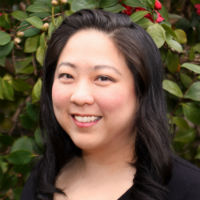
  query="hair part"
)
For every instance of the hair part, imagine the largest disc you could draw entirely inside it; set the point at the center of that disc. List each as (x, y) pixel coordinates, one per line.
(152, 149)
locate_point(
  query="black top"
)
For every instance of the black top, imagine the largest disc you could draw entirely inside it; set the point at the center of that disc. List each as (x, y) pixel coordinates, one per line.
(184, 183)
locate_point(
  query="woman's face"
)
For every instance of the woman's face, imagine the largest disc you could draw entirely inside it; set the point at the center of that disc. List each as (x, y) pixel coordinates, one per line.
(93, 92)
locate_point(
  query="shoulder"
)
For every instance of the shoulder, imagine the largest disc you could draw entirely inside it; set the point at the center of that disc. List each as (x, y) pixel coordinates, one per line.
(185, 181)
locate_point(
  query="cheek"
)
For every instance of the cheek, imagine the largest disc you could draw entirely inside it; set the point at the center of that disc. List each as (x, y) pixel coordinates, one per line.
(117, 99)
(59, 96)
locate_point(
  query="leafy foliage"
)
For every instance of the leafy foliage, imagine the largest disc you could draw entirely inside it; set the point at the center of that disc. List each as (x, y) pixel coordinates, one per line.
(26, 26)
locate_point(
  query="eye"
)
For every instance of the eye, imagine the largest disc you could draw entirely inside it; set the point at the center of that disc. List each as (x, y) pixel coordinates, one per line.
(65, 76)
(104, 78)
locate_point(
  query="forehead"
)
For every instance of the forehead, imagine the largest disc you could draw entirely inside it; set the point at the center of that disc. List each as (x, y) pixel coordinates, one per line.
(90, 42)
(90, 35)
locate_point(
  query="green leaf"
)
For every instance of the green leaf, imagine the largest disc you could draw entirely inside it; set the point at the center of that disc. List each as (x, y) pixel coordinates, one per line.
(1, 176)
(31, 44)
(136, 3)
(40, 53)
(25, 70)
(35, 21)
(180, 122)
(38, 7)
(1, 88)
(41, 15)
(24, 66)
(19, 15)
(9, 181)
(23, 143)
(67, 13)
(136, 16)
(174, 45)
(5, 50)
(151, 3)
(196, 47)
(192, 112)
(8, 77)
(51, 29)
(193, 92)
(58, 21)
(36, 91)
(191, 54)
(185, 136)
(24, 62)
(31, 32)
(108, 3)
(46, 2)
(172, 62)
(172, 88)
(52, 26)
(144, 23)
(83, 4)
(3, 166)
(27, 122)
(8, 91)
(42, 40)
(5, 21)
(185, 79)
(193, 50)
(115, 9)
(38, 138)
(195, 1)
(181, 36)
(33, 111)
(21, 85)
(20, 157)
(164, 13)
(23, 25)
(168, 30)
(4, 38)
(193, 67)
(157, 33)
(17, 193)
(2, 62)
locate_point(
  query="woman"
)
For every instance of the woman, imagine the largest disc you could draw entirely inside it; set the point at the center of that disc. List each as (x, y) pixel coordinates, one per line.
(103, 117)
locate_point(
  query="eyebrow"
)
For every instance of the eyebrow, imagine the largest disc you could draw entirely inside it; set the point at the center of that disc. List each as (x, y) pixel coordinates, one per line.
(96, 67)
(67, 64)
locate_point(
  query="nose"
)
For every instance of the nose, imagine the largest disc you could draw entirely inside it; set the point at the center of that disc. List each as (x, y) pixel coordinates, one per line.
(82, 94)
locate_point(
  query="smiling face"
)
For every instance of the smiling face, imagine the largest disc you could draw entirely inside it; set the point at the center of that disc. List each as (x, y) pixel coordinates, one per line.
(93, 92)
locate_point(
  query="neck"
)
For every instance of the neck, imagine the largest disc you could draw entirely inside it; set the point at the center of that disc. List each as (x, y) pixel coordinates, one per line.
(114, 157)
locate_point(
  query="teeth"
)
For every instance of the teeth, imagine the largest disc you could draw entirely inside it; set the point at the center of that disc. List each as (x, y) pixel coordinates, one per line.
(86, 118)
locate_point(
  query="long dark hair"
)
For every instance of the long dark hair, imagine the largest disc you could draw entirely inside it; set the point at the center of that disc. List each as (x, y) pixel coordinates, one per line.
(152, 146)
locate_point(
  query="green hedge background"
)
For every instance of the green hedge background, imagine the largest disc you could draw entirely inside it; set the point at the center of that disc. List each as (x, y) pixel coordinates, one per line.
(26, 26)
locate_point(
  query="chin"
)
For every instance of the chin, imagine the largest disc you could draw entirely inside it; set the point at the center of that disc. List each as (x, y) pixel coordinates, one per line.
(86, 145)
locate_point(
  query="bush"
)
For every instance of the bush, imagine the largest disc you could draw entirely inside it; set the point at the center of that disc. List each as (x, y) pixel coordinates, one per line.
(26, 26)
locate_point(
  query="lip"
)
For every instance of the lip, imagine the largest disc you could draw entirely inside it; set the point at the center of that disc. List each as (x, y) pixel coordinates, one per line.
(85, 124)
(85, 115)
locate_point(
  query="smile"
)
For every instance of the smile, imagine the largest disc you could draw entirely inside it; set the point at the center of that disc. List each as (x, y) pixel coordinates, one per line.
(85, 120)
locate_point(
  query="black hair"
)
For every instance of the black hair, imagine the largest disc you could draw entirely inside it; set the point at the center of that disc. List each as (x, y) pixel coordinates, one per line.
(152, 145)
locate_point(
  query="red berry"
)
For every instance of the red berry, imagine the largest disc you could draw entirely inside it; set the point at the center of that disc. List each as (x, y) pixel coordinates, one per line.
(157, 5)
(159, 17)
(128, 10)
(197, 6)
